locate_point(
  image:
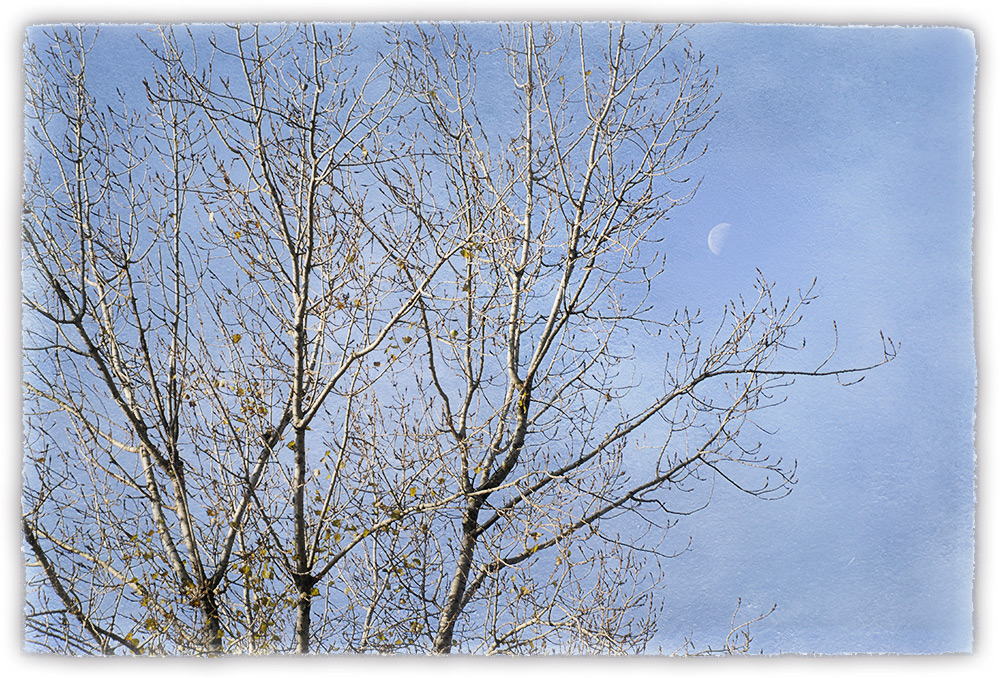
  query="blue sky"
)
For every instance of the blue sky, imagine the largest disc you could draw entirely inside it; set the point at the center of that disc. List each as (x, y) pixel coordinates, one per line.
(843, 154)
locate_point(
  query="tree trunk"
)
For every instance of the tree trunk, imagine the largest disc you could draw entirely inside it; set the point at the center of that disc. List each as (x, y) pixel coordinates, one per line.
(453, 605)
(212, 640)
(303, 611)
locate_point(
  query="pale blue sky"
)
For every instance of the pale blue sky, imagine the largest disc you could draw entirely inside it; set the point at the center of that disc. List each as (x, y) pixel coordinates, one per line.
(846, 154)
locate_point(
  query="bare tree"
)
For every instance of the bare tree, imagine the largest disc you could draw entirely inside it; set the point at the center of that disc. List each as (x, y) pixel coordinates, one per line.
(326, 324)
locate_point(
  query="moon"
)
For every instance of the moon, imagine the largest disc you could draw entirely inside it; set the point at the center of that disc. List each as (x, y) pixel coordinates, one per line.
(717, 237)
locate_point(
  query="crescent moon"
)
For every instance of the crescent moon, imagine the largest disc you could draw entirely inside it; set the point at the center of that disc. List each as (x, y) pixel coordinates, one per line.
(717, 237)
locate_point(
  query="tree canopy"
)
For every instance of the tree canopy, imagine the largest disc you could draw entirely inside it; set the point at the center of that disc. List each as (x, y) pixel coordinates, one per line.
(331, 337)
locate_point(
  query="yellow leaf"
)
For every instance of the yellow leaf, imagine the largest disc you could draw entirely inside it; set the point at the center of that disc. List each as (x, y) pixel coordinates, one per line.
(236, 338)
(413, 492)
